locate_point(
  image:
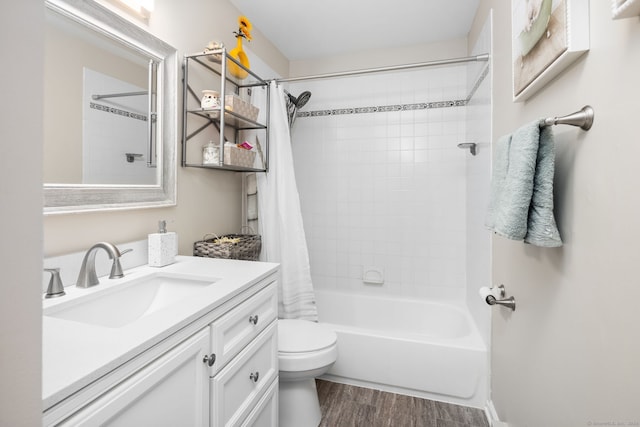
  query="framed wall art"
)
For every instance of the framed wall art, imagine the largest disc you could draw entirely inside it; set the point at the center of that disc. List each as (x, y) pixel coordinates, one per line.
(547, 36)
(621, 9)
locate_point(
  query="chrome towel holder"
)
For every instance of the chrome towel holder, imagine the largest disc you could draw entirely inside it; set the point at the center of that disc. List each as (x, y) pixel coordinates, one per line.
(582, 119)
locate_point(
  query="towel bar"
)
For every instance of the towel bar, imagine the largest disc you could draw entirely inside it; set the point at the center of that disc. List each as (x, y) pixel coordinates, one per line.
(583, 119)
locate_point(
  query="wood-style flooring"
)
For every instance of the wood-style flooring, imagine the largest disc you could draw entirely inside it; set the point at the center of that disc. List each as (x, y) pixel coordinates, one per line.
(349, 406)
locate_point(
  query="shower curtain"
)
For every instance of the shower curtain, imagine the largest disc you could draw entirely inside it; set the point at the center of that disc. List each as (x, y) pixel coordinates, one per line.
(280, 218)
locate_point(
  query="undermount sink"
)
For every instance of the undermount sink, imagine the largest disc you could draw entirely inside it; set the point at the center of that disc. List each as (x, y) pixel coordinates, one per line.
(129, 301)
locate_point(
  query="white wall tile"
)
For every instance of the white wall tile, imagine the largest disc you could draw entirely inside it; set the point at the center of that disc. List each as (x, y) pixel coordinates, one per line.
(385, 189)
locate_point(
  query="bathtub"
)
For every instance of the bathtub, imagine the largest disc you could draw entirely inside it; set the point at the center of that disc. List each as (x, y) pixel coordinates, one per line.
(415, 347)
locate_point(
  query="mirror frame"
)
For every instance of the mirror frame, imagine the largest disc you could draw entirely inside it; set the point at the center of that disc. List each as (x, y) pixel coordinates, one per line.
(69, 198)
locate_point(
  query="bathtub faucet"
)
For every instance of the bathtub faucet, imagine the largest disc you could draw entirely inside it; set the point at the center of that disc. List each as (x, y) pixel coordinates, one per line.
(507, 302)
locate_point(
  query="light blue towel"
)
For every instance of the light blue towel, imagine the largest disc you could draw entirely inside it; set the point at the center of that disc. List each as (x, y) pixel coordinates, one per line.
(521, 199)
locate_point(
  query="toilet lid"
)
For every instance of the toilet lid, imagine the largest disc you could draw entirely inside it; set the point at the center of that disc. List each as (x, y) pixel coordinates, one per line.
(299, 336)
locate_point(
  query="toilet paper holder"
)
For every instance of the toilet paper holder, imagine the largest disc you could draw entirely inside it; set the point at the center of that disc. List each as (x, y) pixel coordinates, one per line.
(491, 299)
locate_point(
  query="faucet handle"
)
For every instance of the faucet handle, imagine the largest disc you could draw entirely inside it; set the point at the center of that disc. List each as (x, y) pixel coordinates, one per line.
(55, 288)
(116, 267)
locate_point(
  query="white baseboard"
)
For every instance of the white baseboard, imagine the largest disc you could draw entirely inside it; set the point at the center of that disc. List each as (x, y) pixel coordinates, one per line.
(492, 415)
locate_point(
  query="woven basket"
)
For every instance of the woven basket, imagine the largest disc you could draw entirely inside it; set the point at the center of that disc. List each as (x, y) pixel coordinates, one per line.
(238, 156)
(243, 108)
(247, 247)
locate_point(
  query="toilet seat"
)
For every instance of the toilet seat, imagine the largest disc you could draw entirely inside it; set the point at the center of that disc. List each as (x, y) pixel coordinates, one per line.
(305, 345)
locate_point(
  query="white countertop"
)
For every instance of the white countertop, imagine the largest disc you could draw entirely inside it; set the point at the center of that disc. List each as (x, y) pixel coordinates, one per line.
(75, 354)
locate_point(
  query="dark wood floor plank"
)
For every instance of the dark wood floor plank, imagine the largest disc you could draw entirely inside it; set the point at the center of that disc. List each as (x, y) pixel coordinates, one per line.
(344, 405)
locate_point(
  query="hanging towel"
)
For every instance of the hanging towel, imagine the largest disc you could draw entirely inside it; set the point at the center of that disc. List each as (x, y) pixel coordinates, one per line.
(541, 223)
(521, 198)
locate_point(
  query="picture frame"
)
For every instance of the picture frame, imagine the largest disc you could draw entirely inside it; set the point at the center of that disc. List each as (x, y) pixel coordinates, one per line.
(621, 9)
(547, 36)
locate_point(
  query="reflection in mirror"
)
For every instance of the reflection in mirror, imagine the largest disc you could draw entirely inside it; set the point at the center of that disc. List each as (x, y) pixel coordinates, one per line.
(115, 132)
(109, 111)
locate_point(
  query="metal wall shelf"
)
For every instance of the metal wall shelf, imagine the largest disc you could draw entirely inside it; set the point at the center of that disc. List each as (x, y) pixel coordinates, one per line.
(231, 118)
(205, 70)
(225, 167)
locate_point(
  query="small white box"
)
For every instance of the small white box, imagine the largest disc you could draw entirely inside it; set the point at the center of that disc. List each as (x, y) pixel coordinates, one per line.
(163, 248)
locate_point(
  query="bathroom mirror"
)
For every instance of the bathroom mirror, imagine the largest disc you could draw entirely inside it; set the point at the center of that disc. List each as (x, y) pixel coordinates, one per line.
(110, 112)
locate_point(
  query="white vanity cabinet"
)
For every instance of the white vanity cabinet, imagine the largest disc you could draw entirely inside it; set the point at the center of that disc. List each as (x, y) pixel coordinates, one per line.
(171, 391)
(219, 370)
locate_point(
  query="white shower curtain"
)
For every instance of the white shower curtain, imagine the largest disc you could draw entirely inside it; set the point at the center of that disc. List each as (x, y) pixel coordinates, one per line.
(280, 219)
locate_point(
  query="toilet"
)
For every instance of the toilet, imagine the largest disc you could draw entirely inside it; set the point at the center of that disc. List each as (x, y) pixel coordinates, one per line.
(306, 350)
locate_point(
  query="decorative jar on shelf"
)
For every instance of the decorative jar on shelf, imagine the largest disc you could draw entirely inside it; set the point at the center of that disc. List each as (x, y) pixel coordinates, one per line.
(210, 154)
(210, 99)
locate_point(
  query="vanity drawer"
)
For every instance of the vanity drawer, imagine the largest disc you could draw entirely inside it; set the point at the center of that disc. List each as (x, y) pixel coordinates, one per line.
(233, 331)
(265, 414)
(237, 389)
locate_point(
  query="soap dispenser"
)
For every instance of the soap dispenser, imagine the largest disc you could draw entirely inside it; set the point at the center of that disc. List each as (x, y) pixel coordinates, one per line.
(163, 246)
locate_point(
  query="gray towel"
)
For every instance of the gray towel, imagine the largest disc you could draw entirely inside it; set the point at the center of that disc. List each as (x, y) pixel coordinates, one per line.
(521, 199)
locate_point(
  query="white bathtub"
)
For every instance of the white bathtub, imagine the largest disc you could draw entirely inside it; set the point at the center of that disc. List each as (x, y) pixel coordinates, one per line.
(414, 347)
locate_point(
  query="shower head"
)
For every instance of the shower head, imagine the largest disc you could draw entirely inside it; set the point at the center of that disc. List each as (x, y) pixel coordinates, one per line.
(301, 100)
(293, 104)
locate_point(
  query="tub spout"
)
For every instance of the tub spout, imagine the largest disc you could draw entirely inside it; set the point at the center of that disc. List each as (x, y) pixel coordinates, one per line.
(507, 302)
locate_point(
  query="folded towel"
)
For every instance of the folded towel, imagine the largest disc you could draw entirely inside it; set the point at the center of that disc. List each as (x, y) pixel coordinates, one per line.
(521, 198)
(541, 224)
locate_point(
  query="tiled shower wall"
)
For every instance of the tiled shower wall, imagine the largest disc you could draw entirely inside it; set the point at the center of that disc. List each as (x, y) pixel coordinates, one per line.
(111, 128)
(385, 191)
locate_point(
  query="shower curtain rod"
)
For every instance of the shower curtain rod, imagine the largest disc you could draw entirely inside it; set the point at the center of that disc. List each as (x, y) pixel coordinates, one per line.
(476, 58)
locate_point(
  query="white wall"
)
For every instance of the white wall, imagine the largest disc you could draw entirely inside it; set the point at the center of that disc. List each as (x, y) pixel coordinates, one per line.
(21, 39)
(568, 356)
(208, 201)
(385, 189)
(380, 57)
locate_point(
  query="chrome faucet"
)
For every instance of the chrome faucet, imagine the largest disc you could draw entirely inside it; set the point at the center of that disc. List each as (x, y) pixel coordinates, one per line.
(87, 276)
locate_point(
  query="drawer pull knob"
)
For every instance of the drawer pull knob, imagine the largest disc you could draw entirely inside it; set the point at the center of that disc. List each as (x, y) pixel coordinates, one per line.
(254, 376)
(253, 319)
(210, 359)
